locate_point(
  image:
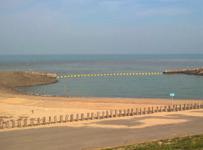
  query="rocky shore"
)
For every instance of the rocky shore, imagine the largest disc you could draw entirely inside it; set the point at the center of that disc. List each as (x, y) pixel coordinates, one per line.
(192, 71)
(11, 80)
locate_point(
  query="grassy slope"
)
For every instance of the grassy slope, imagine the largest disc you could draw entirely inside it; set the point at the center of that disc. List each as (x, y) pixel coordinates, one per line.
(185, 143)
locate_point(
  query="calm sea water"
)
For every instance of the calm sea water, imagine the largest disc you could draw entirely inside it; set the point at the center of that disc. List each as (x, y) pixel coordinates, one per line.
(184, 86)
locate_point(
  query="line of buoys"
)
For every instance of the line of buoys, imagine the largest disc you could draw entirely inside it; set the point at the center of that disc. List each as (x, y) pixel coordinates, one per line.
(110, 74)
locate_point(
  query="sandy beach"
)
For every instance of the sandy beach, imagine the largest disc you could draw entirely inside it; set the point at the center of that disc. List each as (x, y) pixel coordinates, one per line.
(111, 131)
(15, 105)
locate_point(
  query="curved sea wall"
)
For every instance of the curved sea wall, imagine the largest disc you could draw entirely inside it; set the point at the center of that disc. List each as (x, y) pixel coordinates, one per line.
(12, 80)
(193, 71)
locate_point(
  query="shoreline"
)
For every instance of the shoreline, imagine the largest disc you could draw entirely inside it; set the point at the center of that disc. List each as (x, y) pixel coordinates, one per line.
(23, 79)
(15, 104)
(41, 78)
(19, 106)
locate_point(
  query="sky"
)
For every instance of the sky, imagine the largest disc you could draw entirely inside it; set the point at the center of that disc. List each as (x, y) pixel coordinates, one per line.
(101, 26)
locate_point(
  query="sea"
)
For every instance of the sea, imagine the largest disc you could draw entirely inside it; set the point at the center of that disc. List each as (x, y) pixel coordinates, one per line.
(183, 86)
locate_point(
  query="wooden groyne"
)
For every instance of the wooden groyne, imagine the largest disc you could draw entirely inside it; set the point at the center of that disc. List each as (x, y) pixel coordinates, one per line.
(189, 71)
(46, 120)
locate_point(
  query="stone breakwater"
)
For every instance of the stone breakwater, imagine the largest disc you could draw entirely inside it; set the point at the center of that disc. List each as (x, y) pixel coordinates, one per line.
(190, 71)
(12, 80)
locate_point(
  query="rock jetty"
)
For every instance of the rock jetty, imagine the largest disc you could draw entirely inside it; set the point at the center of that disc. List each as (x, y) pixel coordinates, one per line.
(13, 79)
(189, 71)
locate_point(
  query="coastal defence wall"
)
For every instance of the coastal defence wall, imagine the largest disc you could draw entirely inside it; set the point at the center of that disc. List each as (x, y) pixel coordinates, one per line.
(46, 120)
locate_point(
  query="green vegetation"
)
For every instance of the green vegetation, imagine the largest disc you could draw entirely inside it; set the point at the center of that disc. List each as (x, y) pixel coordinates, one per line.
(185, 143)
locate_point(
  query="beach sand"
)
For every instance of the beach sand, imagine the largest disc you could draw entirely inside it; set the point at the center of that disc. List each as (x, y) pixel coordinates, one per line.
(14, 105)
(89, 134)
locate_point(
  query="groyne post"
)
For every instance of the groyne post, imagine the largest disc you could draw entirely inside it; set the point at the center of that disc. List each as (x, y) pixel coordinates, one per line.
(1, 124)
(44, 120)
(19, 123)
(92, 116)
(172, 108)
(120, 113)
(12, 123)
(87, 116)
(6, 124)
(169, 108)
(175, 108)
(184, 107)
(77, 117)
(165, 108)
(127, 112)
(107, 114)
(82, 116)
(149, 110)
(116, 113)
(199, 105)
(61, 118)
(152, 109)
(25, 122)
(32, 121)
(144, 111)
(98, 115)
(196, 105)
(191, 106)
(140, 111)
(103, 114)
(160, 108)
(55, 119)
(187, 106)
(157, 108)
(111, 113)
(71, 117)
(38, 121)
(135, 112)
(49, 120)
(180, 107)
(66, 118)
(131, 112)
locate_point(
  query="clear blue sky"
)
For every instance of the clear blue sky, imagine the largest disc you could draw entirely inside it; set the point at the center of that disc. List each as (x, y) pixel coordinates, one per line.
(101, 26)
